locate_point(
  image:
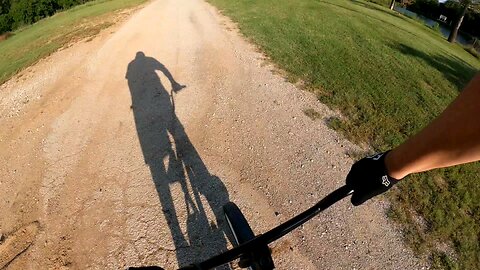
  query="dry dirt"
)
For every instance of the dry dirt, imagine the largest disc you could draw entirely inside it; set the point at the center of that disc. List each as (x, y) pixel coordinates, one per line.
(104, 167)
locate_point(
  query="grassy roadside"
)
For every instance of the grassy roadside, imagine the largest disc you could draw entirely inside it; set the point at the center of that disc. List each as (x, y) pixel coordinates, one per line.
(34, 42)
(389, 75)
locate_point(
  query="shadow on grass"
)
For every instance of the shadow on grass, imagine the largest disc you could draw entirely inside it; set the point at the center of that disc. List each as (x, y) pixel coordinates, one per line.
(454, 69)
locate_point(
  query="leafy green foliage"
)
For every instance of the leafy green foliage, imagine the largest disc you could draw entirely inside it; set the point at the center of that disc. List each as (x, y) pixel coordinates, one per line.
(64, 4)
(4, 6)
(5, 23)
(428, 8)
(389, 76)
(17, 13)
(451, 9)
(34, 42)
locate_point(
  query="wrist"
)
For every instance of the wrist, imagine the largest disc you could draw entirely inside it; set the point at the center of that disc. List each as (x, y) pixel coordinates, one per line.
(395, 166)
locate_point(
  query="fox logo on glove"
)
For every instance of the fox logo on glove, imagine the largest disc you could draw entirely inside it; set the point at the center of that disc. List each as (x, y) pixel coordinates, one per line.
(385, 181)
(376, 156)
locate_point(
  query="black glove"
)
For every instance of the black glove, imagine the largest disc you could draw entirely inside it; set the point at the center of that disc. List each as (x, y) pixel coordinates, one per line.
(368, 178)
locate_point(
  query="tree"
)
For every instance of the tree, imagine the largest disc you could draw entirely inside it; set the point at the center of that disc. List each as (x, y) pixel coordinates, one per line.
(4, 6)
(65, 4)
(16, 13)
(45, 8)
(22, 12)
(392, 4)
(427, 8)
(464, 4)
(5, 23)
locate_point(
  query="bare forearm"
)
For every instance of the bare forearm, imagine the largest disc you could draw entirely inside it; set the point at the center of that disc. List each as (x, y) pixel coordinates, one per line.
(452, 138)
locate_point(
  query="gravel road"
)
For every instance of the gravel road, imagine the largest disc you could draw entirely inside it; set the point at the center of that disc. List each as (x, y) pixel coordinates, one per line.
(121, 151)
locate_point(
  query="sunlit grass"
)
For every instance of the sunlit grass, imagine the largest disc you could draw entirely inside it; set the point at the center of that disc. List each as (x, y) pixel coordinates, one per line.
(389, 76)
(34, 42)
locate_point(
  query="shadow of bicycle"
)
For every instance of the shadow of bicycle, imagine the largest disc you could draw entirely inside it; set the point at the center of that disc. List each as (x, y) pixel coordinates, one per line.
(173, 160)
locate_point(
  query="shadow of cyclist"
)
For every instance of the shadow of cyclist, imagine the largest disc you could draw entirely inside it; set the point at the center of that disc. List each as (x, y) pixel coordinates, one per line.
(172, 158)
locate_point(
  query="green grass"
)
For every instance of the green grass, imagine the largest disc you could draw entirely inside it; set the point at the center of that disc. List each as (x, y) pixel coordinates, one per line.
(385, 3)
(389, 76)
(471, 50)
(34, 42)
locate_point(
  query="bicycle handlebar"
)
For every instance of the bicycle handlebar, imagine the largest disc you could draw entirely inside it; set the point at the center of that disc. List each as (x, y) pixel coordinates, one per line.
(273, 234)
(268, 237)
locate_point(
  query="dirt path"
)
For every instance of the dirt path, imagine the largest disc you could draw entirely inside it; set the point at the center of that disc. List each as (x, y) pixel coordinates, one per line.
(104, 167)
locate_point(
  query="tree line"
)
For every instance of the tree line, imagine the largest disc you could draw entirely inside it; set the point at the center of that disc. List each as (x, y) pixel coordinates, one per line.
(462, 15)
(16, 13)
(464, 10)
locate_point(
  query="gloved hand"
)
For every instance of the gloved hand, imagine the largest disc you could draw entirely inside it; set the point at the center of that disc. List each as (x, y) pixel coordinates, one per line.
(176, 87)
(368, 178)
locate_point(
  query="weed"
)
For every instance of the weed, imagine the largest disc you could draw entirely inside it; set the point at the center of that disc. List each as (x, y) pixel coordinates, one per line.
(312, 114)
